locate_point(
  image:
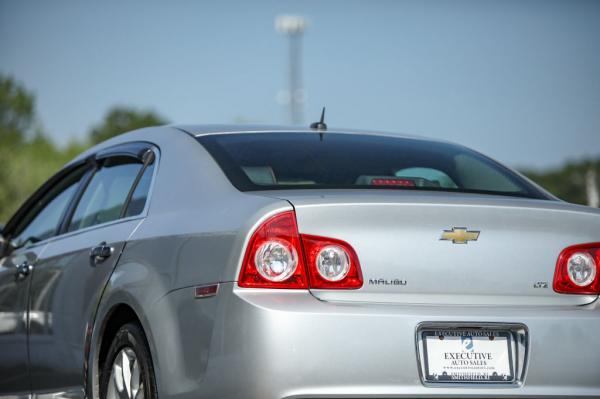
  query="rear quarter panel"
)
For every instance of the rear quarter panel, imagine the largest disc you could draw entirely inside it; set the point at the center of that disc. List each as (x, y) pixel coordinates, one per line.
(196, 228)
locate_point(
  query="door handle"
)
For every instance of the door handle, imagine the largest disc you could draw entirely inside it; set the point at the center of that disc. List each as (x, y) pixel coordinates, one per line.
(101, 252)
(23, 270)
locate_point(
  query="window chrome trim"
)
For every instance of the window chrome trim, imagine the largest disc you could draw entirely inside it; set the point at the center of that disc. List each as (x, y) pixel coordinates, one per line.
(69, 234)
(27, 247)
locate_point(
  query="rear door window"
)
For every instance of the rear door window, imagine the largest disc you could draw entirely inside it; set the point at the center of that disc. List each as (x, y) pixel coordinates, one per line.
(107, 193)
(139, 197)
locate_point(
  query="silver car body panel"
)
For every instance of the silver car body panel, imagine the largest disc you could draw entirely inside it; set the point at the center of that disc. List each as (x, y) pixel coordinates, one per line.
(258, 343)
(397, 239)
(65, 290)
(288, 344)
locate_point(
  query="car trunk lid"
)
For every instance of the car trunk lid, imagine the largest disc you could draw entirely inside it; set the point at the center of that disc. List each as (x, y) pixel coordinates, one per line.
(504, 250)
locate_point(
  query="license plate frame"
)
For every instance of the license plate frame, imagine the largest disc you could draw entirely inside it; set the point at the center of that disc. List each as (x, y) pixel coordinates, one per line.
(519, 351)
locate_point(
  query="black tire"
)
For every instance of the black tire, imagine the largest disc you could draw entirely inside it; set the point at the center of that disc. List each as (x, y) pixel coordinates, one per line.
(130, 336)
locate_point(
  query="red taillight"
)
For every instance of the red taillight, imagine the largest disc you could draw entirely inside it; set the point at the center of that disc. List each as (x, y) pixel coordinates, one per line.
(343, 262)
(270, 242)
(276, 257)
(578, 270)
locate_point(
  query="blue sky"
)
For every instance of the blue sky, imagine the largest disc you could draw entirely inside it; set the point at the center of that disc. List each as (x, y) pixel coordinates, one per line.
(517, 80)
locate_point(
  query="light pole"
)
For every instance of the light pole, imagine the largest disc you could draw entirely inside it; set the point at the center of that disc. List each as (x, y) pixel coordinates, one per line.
(293, 26)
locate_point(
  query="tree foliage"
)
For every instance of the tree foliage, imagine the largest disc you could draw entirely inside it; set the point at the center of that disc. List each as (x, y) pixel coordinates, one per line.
(28, 157)
(16, 112)
(123, 119)
(568, 182)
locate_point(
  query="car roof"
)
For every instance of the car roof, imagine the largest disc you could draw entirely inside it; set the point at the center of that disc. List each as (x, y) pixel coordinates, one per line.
(155, 134)
(202, 130)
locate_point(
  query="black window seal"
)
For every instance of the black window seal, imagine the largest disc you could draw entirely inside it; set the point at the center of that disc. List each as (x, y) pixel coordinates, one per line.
(148, 158)
(135, 149)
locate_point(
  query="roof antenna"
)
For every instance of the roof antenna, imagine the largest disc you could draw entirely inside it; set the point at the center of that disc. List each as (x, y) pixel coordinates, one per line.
(321, 125)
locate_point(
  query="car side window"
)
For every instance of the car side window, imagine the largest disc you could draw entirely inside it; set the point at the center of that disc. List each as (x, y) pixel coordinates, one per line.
(106, 193)
(137, 203)
(43, 220)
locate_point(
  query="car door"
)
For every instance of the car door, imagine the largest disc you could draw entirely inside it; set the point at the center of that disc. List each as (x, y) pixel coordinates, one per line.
(76, 265)
(25, 239)
(14, 287)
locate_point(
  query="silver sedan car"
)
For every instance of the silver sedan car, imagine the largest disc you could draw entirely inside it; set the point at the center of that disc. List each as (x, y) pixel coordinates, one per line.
(260, 262)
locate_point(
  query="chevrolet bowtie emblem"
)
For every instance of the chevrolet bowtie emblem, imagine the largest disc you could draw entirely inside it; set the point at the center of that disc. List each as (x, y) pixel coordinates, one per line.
(459, 235)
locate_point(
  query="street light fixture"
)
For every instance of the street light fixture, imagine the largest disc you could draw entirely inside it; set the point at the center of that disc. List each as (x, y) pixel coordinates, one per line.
(293, 26)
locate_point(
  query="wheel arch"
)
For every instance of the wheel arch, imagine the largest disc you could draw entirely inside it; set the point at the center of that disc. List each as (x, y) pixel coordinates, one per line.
(108, 321)
(118, 316)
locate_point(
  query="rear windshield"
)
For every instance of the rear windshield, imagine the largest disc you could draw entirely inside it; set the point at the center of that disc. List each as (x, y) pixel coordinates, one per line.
(276, 161)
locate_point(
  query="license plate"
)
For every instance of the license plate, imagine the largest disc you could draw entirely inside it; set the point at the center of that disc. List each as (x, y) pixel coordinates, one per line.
(456, 355)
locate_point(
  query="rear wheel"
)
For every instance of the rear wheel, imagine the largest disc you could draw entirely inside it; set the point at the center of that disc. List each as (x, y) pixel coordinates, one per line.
(128, 372)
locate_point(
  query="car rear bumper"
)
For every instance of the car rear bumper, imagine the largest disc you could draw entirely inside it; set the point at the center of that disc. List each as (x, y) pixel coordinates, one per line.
(287, 344)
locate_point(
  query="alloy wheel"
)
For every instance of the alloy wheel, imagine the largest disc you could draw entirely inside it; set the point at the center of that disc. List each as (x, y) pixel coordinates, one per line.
(126, 377)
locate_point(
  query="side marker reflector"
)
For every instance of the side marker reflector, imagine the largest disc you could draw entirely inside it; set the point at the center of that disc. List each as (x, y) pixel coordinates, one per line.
(205, 291)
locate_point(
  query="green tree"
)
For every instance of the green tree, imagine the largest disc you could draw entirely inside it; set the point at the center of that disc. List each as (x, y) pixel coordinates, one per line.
(27, 156)
(569, 182)
(123, 119)
(16, 112)
(16, 120)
